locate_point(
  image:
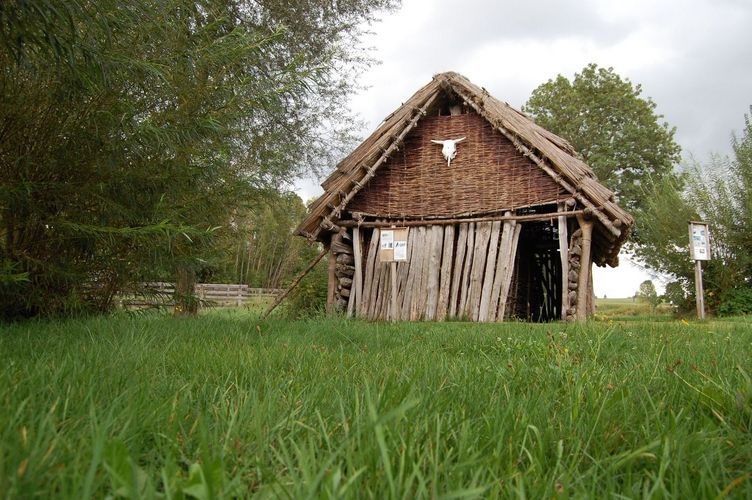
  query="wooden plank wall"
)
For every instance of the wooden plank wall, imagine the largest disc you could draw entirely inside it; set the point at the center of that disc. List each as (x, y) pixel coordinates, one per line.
(452, 271)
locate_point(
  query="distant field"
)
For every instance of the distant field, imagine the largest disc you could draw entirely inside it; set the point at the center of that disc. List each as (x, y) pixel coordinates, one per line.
(147, 406)
(629, 308)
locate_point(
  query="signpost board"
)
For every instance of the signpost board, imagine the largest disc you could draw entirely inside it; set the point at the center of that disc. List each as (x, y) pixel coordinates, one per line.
(699, 241)
(699, 250)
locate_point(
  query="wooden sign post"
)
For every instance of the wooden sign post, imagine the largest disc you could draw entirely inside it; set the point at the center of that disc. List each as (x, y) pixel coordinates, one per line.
(393, 249)
(699, 250)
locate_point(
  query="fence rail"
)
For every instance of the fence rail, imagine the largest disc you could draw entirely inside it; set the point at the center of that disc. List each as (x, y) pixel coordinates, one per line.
(224, 294)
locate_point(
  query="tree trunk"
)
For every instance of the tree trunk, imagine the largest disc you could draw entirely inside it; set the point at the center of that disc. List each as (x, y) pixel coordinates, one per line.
(186, 302)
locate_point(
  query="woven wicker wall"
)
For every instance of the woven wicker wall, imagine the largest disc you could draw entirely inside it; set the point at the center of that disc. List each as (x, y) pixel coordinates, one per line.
(487, 175)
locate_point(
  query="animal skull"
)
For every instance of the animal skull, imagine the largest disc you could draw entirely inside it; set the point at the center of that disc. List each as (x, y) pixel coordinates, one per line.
(449, 148)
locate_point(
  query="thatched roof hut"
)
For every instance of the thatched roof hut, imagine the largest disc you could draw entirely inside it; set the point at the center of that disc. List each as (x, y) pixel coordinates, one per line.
(509, 229)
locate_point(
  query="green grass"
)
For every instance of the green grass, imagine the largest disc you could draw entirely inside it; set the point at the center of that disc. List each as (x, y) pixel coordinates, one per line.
(148, 406)
(628, 309)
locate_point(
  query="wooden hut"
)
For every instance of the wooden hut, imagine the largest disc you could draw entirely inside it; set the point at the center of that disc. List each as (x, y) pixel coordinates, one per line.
(507, 228)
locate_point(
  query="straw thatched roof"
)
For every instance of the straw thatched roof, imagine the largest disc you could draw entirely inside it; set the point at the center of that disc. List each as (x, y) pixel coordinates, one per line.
(552, 154)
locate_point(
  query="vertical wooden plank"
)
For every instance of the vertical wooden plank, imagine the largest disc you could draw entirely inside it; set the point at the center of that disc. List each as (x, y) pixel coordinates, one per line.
(418, 301)
(434, 272)
(403, 269)
(459, 259)
(332, 281)
(425, 275)
(508, 271)
(501, 258)
(378, 289)
(374, 287)
(368, 278)
(482, 235)
(442, 308)
(414, 246)
(488, 279)
(358, 279)
(591, 292)
(564, 256)
(393, 313)
(466, 270)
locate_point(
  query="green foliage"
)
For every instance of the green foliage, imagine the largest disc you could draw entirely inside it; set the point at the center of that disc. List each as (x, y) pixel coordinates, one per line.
(259, 248)
(131, 132)
(309, 298)
(675, 294)
(611, 126)
(736, 301)
(210, 407)
(648, 294)
(719, 193)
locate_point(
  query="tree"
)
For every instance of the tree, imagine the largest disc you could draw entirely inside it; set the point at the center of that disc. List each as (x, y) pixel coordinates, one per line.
(611, 126)
(131, 131)
(720, 193)
(647, 293)
(675, 294)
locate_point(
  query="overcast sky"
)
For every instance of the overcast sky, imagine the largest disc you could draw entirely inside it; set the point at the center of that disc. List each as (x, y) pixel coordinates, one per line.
(692, 57)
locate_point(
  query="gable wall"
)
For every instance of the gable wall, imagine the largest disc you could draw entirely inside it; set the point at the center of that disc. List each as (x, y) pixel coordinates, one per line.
(488, 174)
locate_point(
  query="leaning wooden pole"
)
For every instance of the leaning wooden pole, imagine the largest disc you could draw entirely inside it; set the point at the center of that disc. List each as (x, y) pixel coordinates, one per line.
(295, 282)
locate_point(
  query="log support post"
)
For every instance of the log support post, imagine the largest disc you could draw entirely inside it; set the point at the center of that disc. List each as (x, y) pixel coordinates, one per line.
(564, 256)
(583, 284)
(332, 280)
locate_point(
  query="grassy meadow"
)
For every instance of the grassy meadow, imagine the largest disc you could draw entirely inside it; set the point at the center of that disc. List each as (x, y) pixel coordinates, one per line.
(146, 406)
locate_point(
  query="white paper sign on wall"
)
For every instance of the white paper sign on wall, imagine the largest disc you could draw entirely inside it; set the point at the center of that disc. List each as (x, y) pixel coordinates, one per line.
(393, 245)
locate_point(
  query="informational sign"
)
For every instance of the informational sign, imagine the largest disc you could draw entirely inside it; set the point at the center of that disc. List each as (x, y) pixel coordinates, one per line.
(393, 245)
(699, 241)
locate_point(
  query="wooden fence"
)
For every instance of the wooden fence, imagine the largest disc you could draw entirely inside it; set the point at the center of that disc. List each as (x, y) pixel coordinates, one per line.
(220, 294)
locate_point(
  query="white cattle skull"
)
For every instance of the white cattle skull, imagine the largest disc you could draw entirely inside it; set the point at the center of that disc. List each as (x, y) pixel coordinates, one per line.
(449, 148)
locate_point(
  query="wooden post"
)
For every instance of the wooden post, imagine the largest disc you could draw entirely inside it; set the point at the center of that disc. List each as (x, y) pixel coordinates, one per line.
(508, 270)
(488, 280)
(699, 292)
(332, 281)
(446, 274)
(393, 312)
(499, 276)
(564, 255)
(459, 258)
(466, 272)
(584, 278)
(353, 305)
(358, 256)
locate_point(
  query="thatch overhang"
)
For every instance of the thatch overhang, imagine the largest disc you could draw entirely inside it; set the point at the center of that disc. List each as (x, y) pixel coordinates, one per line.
(552, 154)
